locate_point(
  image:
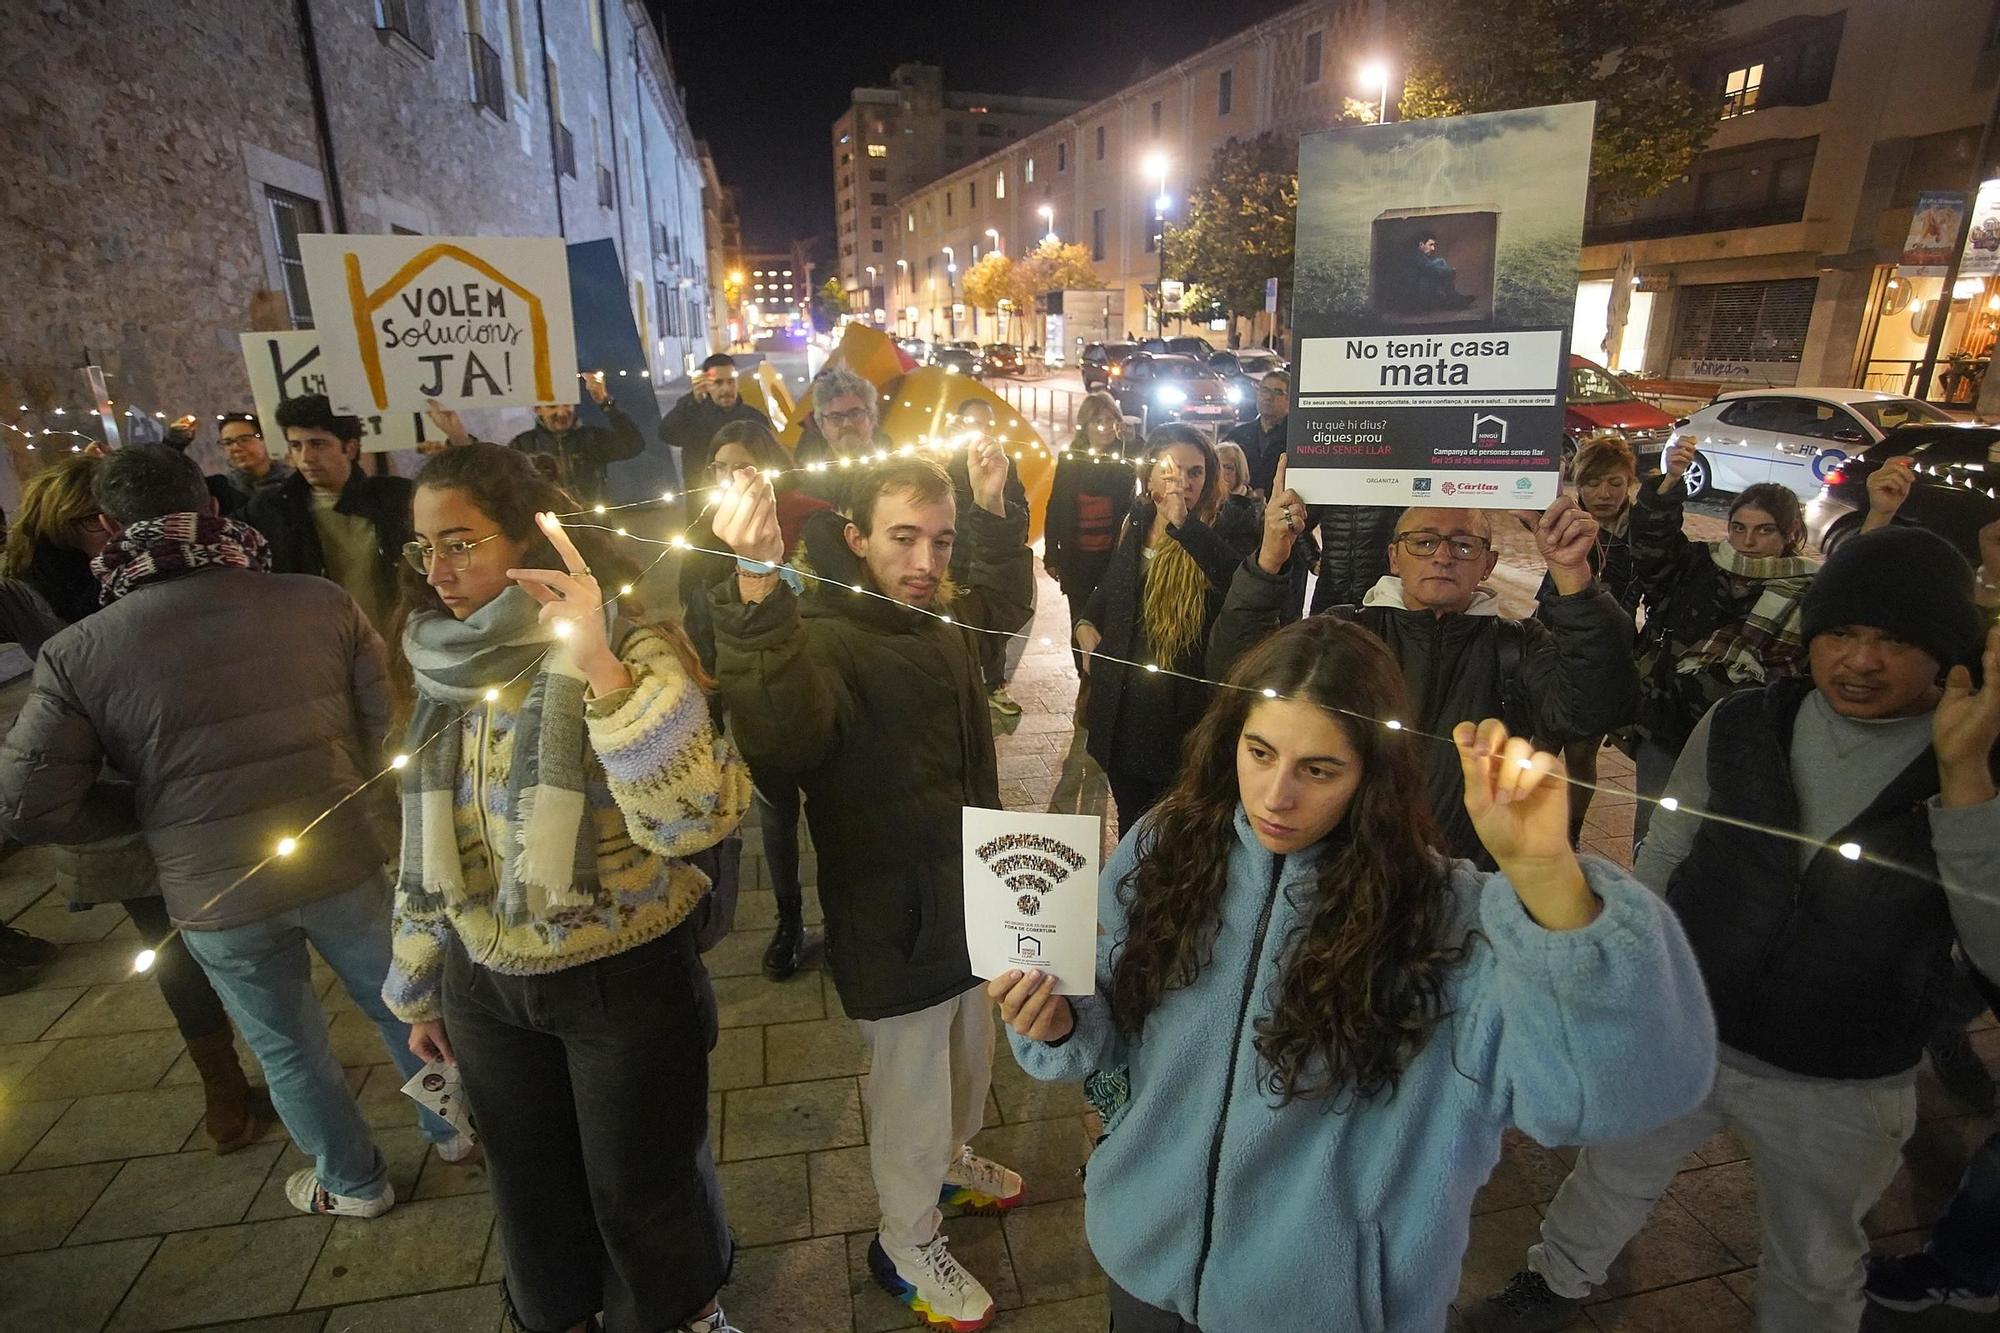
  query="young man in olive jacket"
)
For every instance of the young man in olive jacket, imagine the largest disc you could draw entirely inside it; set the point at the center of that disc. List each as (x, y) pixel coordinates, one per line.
(1825, 952)
(881, 711)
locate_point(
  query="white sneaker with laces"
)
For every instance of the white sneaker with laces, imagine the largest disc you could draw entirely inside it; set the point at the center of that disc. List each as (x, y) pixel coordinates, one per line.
(456, 1148)
(309, 1196)
(977, 1185)
(711, 1323)
(929, 1281)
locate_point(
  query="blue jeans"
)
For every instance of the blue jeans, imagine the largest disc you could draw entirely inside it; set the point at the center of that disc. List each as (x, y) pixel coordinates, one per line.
(264, 976)
(1966, 1239)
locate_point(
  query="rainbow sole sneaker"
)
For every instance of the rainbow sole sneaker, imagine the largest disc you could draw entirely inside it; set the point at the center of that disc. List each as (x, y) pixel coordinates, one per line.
(976, 1185)
(928, 1280)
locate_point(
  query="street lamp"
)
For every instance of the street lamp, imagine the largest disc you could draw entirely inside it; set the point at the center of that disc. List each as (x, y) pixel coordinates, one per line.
(1156, 166)
(1375, 75)
(1048, 222)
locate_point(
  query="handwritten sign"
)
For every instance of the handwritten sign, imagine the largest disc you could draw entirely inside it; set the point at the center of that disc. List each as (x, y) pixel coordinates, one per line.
(289, 364)
(472, 321)
(1031, 895)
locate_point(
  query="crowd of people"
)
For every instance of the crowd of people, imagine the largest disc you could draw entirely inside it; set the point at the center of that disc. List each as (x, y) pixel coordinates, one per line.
(1346, 939)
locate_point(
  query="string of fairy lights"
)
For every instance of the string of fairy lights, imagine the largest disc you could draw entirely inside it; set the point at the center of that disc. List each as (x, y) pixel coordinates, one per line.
(679, 541)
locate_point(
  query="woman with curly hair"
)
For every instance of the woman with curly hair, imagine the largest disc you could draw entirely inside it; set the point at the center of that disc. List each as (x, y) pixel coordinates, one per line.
(1157, 602)
(1328, 1024)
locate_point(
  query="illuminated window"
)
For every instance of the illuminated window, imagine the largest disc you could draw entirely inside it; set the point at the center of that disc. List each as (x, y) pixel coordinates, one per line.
(1000, 186)
(1031, 171)
(1739, 91)
(878, 150)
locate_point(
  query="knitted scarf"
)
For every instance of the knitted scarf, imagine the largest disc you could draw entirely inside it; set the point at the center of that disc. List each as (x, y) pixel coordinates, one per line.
(173, 544)
(1745, 650)
(546, 852)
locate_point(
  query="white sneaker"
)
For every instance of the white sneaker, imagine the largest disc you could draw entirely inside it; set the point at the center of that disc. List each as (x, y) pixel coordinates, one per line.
(979, 1186)
(930, 1282)
(309, 1196)
(711, 1323)
(456, 1148)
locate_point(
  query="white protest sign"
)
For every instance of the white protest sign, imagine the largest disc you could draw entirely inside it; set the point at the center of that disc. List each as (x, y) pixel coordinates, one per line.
(1031, 895)
(288, 364)
(472, 321)
(435, 1087)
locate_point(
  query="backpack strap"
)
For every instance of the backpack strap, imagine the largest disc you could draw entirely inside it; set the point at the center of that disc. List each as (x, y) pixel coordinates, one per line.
(1510, 647)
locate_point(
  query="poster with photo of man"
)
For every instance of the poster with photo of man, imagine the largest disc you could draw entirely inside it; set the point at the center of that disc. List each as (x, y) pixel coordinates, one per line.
(1436, 280)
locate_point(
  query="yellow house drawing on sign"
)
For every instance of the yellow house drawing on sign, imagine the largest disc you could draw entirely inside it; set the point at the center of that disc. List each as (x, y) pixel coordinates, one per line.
(365, 303)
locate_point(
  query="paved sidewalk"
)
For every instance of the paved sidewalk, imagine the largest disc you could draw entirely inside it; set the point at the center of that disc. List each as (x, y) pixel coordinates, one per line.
(115, 1215)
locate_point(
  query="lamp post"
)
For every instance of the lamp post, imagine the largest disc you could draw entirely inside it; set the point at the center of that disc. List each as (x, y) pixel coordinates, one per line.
(1048, 222)
(903, 287)
(1375, 75)
(951, 291)
(1156, 166)
(871, 286)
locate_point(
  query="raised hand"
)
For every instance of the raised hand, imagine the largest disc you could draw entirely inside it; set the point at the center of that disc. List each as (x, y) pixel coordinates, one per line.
(1284, 522)
(448, 422)
(1030, 1006)
(1965, 727)
(1890, 485)
(569, 595)
(594, 382)
(746, 517)
(1519, 805)
(1678, 460)
(1565, 535)
(1166, 489)
(986, 465)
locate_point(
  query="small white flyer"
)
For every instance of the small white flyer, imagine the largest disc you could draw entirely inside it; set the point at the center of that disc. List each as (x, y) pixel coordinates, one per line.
(1031, 895)
(435, 1086)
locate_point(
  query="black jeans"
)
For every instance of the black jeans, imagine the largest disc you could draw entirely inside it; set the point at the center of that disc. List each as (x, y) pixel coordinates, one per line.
(1129, 1314)
(196, 1008)
(589, 1089)
(777, 797)
(1133, 796)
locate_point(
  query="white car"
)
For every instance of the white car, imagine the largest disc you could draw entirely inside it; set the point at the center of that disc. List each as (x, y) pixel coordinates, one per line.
(1790, 436)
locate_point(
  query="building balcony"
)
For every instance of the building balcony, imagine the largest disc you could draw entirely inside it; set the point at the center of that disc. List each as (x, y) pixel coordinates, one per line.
(1693, 223)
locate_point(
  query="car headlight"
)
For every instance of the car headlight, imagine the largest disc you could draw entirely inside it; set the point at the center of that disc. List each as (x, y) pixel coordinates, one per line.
(1234, 394)
(951, 370)
(1172, 396)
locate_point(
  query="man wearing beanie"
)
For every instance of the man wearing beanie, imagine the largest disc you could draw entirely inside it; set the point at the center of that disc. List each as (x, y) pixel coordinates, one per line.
(1826, 954)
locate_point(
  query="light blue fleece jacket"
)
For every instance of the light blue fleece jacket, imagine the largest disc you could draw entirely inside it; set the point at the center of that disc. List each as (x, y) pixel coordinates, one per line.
(1210, 1199)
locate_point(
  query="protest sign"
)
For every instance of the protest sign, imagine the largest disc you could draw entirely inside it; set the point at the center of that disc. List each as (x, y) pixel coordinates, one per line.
(1432, 301)
(1031, 895)
(1933, 231)
(288, 364)
(472, 321)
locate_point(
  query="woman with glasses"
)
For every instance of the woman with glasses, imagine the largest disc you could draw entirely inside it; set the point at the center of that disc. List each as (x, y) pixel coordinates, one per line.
(562, 763)
(1159, 598)
(1327, 1025)
(742, 444)
(1720, 616)
(1088, 500)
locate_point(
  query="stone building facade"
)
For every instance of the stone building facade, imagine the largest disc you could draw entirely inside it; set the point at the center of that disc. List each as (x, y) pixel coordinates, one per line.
(161, 157)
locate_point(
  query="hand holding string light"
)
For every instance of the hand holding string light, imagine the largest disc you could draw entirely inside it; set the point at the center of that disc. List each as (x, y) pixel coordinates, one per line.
(573, 607)
(746, 519)
(1519, 803)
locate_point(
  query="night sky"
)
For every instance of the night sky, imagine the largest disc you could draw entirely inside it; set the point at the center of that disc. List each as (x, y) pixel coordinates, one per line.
(765, 83)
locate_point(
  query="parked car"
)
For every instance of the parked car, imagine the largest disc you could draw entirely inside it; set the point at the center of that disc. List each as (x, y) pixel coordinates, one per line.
(1791, 436)
(1186, 345)
(1240, 372)
(1002, 359)
(1104, 362)
(1598, 400)
(959, 360)
(1954, 495)
(780, 340)
(917, 349)
(1159, 389)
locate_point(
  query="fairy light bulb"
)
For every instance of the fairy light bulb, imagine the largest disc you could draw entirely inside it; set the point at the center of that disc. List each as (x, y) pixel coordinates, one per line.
(1153, 667)
(400, 761)
(855, 587)
(492, 695)
(286, 846)
(1669, 804)
(679, 541)
(1851, 850)
(623, 533)
(1393, 725)
(945, 619)
(598, 509)
(1270, 693)
(562, 629)
(666, 497)
(625, 591)
(143, 960)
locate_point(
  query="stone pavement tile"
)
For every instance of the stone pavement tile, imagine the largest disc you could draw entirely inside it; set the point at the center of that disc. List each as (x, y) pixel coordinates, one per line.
(70, 1290)
(119, 1006)
(1051, 1257)
(1724, 1148)
(462, 1310)
(1496, 1249)
(799, 1287)
(412, 1248)
(237, 1272)
(85, 1066)
(22, 1124)
(1743, 1284)
(738, 1059)
(302, 1321)
(439, 1179)
(1526, 1173)
(38, 1208)
(740, 954)
(18, 1059)
(26, 1015)
(1024, 1098)
(875, 1310)
(757, 909)
(1723, 1199)
(20, 892)
(52, 920)
(1047, 1153)
(381, 1099)
(403, 1149)
(118, 1124)
(741, 1001)
(357, 1043)
(178, 1192)
(843, 1192)
(1086, 1314)
(791, 1118)
(830, 1048)
(1672, 1247)
(98, 963)
(766, 1199)
(1698, 1307)
(492, 1268)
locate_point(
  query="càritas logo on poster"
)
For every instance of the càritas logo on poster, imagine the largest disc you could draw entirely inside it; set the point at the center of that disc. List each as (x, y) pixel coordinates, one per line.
(1469, 488)
(463, 306)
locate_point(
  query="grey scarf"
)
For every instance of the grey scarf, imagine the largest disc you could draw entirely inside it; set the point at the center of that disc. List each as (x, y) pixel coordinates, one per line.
(546, 857)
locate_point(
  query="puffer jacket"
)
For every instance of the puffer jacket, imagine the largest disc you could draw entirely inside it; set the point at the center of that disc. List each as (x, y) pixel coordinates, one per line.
(1353, 551)
(881, 712)
(240, 706)
(1565, 674)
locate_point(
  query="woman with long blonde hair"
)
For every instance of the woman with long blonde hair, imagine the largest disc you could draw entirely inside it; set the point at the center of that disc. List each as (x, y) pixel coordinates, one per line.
(1160, 596)
(57, 531)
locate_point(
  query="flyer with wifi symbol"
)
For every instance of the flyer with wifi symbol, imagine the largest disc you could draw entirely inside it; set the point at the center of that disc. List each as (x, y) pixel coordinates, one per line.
(1031, 895)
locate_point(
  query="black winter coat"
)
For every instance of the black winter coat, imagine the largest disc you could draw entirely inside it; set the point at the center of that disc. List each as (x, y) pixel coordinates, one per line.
(1088, 501)
(1138, 718)
(1353, 551)
(283, 513)
(1261, 449)
(583, 454)
(691, 426)
(882, 714)
(1564, 675)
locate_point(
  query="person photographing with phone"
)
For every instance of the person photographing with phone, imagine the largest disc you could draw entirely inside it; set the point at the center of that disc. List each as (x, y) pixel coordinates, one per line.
(713, 400)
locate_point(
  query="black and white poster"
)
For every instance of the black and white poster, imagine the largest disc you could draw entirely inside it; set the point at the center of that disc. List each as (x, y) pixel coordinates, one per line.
(1436, 281)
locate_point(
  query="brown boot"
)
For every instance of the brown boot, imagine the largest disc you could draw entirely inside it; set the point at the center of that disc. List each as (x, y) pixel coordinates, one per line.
(231, 1116)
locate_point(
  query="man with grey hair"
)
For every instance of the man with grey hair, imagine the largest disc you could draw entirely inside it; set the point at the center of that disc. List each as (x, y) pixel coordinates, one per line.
(1565, 672)
(846, 416)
